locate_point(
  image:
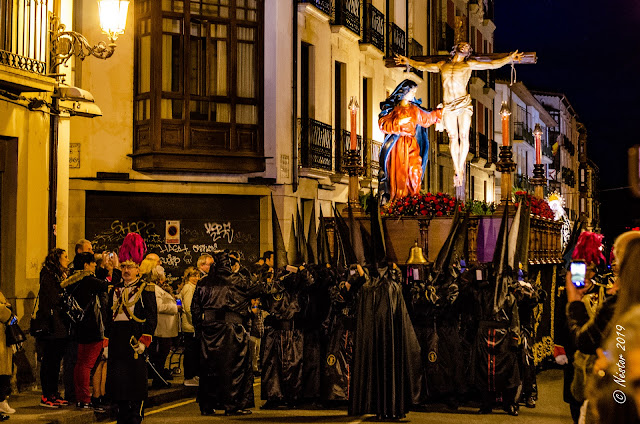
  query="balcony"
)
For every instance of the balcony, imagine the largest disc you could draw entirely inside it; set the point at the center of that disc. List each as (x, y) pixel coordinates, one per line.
(344, 145)
(522, 133)
(317, 141)
(446, 37)
(373, 31)
(348, 14)
(322, 5)
(415, 49)
(472, 141)
(374, 157)
(483, 146)
(547, 150)
(24, 36)
(494, 152)
(396, 41)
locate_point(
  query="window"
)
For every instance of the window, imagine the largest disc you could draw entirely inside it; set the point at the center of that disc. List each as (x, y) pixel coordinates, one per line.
(199, 85)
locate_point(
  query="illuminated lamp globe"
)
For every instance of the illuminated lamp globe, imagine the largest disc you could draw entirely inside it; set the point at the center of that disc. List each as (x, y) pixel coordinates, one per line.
(113, 17)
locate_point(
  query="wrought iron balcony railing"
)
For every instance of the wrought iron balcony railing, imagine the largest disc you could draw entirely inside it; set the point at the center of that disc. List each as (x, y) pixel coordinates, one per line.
(316, 148)
(396, 41)
(373, 31)
(344, 145)
(24, 34)
(322, 5)
(494, 152)
(483, 146)
(347, 13)
(472, 141)
(522, 132)
(415, 49)
(547, 150)
(374, 161)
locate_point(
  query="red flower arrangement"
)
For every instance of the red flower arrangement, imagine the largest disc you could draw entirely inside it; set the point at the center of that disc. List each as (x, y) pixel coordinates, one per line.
(423, 205)
(539, 207)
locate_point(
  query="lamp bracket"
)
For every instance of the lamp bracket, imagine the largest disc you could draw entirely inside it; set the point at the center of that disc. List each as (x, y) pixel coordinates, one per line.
(65, 44)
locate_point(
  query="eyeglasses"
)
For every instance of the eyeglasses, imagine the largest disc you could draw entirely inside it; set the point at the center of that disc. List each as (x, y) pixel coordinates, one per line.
(128, 266)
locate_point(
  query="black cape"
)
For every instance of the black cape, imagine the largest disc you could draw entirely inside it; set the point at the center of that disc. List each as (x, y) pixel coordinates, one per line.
(282, 345)
(220, 309)
(386, 363)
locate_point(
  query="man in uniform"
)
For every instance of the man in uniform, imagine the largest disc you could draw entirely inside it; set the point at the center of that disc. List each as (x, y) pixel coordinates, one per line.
(132, 303)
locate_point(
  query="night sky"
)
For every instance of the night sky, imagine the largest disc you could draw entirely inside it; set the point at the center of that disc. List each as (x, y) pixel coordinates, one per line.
(590, 51)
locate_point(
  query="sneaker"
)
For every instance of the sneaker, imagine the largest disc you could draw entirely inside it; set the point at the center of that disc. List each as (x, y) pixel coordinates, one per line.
(48, 402)
(59, 401)
(95, 408)
(4, 407)
(192, 382)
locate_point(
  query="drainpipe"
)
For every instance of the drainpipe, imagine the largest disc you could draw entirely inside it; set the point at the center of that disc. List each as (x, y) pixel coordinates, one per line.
(53, 171)
(294, 91)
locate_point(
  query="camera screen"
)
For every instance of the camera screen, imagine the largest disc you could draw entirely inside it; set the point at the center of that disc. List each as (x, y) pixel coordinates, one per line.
(578, 273)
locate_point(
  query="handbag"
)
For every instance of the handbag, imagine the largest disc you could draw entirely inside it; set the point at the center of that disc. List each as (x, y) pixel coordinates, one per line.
(72, 310)
(40, 324)
(13, 332)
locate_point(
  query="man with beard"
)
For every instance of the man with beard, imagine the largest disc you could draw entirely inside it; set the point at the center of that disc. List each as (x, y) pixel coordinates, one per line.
(133, 321)
(282, 343)
(221, 307)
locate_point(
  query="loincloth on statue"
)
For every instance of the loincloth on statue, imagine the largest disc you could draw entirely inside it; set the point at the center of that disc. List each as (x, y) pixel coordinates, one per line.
(458, 106)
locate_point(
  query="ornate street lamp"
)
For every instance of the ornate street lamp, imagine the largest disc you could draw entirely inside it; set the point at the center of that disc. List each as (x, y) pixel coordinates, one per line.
(506, 166)
(65, 44)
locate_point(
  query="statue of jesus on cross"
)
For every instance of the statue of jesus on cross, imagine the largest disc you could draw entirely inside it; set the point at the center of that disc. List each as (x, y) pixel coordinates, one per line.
(457, 112)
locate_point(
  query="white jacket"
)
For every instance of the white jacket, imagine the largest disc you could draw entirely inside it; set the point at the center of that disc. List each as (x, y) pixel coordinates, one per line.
(167, 314)
(186, 294)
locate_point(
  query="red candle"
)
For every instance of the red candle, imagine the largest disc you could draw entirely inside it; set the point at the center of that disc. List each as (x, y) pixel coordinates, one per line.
(537, 132)
(353, 108)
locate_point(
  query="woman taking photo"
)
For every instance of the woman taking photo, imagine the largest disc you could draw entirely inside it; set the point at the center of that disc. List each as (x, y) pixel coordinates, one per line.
(53, 343)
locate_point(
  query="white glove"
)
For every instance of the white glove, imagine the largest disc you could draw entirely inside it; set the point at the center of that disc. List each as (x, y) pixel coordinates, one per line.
(562, 360)
(105, 352)
(139, 348)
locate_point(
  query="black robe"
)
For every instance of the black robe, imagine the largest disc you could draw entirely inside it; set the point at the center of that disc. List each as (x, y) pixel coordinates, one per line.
(220, 310)
(282, 344)
(314, 305)
(494, 357)
(127, 375)
(436, 319)
(528, 298)
(341, 326)
(386, 362)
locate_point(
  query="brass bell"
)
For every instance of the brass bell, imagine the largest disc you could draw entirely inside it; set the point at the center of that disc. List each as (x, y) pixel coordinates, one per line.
(415, 256)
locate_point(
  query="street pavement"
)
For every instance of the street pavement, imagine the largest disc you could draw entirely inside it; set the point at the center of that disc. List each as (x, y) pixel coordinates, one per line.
(549, 409)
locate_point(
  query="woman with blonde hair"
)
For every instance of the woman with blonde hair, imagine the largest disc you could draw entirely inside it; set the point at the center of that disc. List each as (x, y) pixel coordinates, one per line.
(191, 348)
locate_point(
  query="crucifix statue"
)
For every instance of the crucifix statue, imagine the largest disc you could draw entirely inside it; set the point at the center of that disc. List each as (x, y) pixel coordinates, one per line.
(457, 111)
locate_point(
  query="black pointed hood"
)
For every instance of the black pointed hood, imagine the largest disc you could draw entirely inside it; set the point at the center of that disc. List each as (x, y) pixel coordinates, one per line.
(301, 241)
(347, 254)
(312, 238)
(280, 252)
(324, 254)
(355, 234)
(378, 246)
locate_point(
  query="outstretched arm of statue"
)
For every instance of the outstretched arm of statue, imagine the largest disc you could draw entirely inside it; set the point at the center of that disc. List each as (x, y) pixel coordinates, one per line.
(421, 66)
(496, 63)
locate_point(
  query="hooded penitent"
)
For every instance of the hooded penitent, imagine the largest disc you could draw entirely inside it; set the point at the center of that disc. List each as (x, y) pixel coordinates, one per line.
(279, 249)
(324, 255)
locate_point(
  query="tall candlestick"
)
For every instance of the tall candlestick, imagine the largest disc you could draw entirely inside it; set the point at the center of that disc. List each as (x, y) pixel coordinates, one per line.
(504, 114)
(353, 108)
(537, 132)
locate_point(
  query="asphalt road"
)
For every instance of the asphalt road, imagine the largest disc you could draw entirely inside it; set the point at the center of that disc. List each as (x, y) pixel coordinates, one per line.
(549, 409)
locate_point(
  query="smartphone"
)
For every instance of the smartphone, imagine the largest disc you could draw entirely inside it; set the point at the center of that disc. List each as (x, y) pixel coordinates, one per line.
(578, 271)
(178, 302)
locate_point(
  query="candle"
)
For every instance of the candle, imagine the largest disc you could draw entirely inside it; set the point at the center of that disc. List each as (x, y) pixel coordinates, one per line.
(504, 114)
(353, 108)
(537, 132)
